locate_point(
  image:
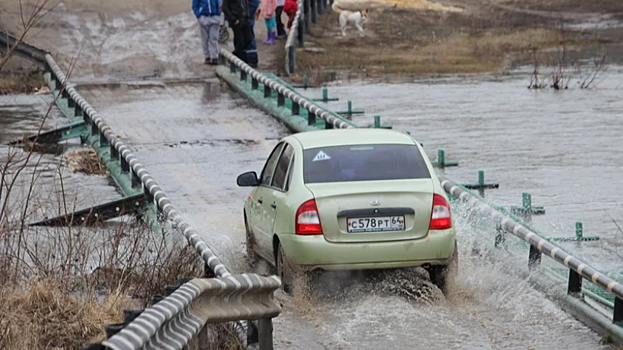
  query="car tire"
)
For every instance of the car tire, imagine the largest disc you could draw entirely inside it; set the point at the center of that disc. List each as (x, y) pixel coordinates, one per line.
(284, 270)
(439, 275)
(251, 256)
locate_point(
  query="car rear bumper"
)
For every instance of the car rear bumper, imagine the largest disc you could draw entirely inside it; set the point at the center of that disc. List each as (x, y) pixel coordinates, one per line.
(314, 252)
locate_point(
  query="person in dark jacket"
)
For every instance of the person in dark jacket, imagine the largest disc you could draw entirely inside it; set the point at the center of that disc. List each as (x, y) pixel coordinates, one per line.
(237, 14)
(208, 13)
(252, 48)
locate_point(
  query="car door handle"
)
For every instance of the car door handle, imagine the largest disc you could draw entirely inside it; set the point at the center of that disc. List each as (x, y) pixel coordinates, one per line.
(260, 201)
(274, 206)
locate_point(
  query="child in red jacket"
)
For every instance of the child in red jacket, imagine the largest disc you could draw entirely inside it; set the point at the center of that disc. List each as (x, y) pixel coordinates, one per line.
(290, 8)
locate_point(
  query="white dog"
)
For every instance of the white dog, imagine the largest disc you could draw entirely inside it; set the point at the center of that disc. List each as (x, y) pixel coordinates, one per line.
(357, 18)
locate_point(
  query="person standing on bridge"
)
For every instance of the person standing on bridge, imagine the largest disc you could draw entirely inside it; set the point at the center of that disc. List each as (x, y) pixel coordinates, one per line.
(281, 29)
(237, 14)
(208, 13)
(252, 48)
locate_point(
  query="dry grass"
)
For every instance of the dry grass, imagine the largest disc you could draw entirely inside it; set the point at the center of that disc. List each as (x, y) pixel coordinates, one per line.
(18, 83)
(85, 161)
(46, 316)
(404, 42)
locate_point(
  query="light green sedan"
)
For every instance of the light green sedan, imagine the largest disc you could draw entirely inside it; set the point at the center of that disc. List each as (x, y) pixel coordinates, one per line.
(349, 200)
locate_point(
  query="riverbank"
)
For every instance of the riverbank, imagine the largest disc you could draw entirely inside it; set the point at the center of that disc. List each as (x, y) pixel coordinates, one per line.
(418, 38)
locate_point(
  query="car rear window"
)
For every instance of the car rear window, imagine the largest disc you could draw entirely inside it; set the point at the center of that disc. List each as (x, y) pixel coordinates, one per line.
(363, 163)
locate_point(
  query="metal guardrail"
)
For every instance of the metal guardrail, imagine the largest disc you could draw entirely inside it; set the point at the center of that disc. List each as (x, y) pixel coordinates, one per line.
(125, 155)
(283, 92)
(538, 246)
(306, 12)
(174, 321)
(178, 317)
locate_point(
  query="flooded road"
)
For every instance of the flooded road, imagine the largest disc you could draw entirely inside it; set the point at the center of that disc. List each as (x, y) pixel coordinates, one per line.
(195, 140)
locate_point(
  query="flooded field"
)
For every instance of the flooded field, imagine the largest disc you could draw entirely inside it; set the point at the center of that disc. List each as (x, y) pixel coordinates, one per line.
(563, 147)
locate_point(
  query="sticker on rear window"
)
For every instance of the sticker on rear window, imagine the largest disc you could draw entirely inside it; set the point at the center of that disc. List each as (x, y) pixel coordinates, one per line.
(321, 156)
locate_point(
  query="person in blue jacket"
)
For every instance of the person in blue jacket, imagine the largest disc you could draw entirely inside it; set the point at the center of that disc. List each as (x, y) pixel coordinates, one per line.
(251, 50)
(208, 13)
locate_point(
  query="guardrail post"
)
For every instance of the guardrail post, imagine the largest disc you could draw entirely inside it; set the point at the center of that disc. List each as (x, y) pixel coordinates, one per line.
(136, 181)
(575, 283)
(266, 333)
(254, 84)
(311, 118)
(292, 60)
(70, 102)
(267, 91)
(313, 5)
(328, 125)
(296, 109)
(103, 141)
(618, 311)
(78, 111)
(232, 67)
(207, 271)
(243, 75)
(500, 238)
(114, 154)
(300, 34)
(125, 167)
(534, 257)
(306, 17)
(281, 100)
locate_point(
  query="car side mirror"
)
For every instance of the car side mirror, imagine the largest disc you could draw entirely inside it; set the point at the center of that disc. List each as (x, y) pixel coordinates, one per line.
(248, 179)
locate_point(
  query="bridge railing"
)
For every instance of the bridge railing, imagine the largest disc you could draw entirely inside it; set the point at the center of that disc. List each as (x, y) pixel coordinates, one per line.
(298, 102)
(539, 246)
(175, 321)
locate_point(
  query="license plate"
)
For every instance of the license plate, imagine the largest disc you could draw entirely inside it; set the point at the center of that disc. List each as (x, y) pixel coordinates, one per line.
(376, 224)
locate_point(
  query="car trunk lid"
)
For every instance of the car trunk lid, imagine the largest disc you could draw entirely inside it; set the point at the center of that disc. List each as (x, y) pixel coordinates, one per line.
(373, 210)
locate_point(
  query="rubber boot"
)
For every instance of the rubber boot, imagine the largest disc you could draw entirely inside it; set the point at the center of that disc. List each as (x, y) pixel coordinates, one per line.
(271, 37)
(268, 36)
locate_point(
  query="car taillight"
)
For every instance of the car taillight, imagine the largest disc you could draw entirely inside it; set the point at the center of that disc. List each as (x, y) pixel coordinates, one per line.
(440, 218)
(307, 219)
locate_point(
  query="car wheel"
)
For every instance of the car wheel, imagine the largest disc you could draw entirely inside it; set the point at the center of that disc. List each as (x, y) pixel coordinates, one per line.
(284, 270)
(439, 275)
(250, 241)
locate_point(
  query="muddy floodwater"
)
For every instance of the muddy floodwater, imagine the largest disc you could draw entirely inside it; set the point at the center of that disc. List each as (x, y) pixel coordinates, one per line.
(561, 146)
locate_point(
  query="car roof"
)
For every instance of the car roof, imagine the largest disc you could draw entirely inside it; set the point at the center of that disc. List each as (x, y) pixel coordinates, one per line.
(339, 137)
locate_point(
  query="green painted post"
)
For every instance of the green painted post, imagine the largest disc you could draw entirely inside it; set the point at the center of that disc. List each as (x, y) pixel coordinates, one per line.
(526, 201)
(377, 121)
(305, 81)
(350, 108)
(311, 118)
(579, 231)
(325, 94)
(481, 183)
(441, 158)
